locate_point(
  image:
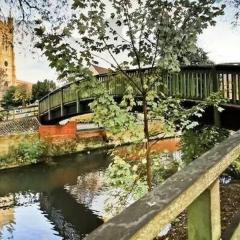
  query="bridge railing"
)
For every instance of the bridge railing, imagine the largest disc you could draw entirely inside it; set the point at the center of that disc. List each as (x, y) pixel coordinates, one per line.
(195, 189)
(193, 82)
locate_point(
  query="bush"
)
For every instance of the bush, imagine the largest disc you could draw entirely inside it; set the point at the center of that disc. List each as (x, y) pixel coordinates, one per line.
(30, 152)
(195, 142)
(26, 152)
(60, 148)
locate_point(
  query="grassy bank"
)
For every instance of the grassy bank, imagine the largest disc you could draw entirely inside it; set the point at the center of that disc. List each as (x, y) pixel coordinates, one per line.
(21, 150)
(8, 142)
(25, 149)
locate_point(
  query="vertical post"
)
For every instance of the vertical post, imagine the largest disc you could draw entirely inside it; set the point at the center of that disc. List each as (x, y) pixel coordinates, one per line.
(49, 108)
(234, 88)
(78, 102)
(204, 215)
(107, 85)
(39, 109)
(61, 99)
(215, 88)
(216, 117)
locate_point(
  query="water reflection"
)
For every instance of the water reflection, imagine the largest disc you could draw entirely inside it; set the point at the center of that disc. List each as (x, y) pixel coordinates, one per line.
(58, 201)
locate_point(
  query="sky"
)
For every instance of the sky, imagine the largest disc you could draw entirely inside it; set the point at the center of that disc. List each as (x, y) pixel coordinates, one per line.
(221, 42)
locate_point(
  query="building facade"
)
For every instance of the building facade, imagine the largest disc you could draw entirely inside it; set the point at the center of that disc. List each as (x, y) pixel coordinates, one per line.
(7, 58)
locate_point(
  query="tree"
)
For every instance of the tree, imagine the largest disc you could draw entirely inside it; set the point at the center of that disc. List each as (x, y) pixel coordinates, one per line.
(152, 33)
(9, 99)
(22, 95)
(40, 89)
(200, 57)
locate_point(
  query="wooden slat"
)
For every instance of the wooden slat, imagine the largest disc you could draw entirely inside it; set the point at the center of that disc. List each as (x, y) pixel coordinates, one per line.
(234, 89)
(227, 85)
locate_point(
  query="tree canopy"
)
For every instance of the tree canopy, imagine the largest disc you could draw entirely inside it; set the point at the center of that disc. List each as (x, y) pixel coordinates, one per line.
(9, 99)
(40, 89)
(145, 33)
(16, 96)
(124, 34)
(199, 57)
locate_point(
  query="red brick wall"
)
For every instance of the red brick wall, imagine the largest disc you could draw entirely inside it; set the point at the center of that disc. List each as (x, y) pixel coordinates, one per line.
(58, 132)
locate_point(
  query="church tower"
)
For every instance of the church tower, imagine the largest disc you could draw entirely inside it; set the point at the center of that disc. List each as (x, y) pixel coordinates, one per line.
(7, 56)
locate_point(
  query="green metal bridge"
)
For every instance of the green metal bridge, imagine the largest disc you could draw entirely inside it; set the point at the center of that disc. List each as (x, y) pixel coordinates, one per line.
(193, 83)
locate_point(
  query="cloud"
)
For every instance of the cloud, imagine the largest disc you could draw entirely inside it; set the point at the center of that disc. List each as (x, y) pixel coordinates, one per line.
(221, 42)
(31, 68)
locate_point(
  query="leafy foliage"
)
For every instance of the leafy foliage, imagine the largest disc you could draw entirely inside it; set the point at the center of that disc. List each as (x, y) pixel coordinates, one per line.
(127, 180)
(195, 142)
(27, 152)
(60, 148)
(9, 99)
(156, 34)
(26, 12)
(22, 95)
(200, 57)
(16, 96)
(30, 152)
(41, 89)
(35, 150)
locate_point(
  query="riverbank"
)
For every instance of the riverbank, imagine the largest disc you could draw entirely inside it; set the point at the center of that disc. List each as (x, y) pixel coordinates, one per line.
(28, 146)
(10, 150)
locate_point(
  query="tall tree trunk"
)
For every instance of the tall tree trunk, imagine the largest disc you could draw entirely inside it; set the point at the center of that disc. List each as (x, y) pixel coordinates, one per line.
(147, 144)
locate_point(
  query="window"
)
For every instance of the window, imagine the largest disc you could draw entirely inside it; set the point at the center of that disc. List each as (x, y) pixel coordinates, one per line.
(5, 63)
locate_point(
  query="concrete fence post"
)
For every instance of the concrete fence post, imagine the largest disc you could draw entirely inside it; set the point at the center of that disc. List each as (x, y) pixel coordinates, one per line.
(204, 220)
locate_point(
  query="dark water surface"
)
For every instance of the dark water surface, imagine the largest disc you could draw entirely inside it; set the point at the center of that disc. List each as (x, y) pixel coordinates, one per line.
(61, 200)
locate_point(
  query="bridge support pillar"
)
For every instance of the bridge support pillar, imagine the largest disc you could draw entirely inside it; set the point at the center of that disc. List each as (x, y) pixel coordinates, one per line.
(204, 215)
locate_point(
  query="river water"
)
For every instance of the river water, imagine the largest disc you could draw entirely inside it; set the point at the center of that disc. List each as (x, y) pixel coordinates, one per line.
(61, 200)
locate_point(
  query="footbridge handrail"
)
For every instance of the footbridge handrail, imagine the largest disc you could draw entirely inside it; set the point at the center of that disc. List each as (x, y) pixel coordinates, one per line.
(195, 188)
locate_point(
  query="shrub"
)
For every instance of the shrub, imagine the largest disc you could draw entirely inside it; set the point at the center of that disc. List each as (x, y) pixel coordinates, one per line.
(59, 148)
(30, 152)
(195, 142)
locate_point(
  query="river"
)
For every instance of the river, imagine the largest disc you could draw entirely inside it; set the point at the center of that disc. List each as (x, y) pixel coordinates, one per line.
(60, 200)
